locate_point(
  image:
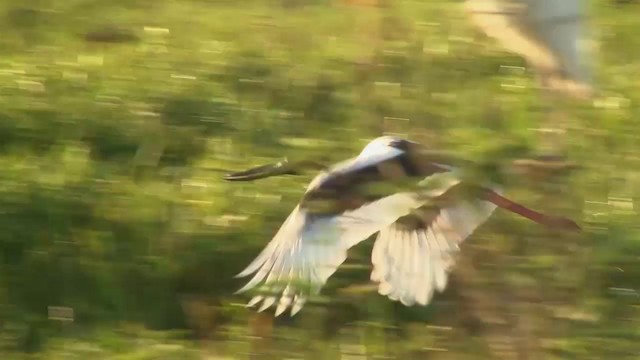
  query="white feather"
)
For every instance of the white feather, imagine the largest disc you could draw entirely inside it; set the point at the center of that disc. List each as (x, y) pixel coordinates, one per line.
(397, 248)
(308, 249)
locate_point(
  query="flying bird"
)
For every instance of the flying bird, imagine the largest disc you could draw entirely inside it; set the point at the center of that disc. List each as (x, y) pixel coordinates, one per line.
(546, 33)
(421, 208)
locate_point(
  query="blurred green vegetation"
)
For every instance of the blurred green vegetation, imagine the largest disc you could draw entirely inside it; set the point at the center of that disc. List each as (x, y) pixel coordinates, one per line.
(118, 119)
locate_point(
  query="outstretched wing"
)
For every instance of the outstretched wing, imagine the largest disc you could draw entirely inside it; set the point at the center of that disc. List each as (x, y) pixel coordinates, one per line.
(413, 256)
(308, 249)
(311, 244)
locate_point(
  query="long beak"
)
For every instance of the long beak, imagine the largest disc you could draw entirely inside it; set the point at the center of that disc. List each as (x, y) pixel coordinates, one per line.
(555, 222)
(260, 172)
(284, 167)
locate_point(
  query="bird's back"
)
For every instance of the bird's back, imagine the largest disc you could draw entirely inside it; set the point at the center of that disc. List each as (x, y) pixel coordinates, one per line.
(379, 171)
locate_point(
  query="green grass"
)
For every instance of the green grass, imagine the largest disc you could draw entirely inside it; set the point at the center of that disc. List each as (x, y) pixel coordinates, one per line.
(112, 200)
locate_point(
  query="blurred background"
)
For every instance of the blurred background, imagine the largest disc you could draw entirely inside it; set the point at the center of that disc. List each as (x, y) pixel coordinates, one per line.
(120, 240)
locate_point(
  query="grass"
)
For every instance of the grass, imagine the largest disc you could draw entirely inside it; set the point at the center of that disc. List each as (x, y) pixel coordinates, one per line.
(113, 202)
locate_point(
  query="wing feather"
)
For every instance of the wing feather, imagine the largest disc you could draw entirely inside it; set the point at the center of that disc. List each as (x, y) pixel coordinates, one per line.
(398, 247)
(425, 289)
(308, 249)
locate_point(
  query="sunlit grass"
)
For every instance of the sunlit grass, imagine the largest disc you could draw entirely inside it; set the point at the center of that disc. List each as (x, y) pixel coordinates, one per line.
(113, 203)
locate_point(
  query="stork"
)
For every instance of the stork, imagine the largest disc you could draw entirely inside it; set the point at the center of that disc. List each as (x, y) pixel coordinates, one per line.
(421, 218)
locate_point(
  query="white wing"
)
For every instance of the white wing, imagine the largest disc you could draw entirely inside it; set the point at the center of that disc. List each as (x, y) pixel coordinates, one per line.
(308, 249)
(410, 264)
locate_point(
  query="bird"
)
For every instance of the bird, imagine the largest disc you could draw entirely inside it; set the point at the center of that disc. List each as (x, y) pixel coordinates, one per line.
(423, 211)
(546, 33)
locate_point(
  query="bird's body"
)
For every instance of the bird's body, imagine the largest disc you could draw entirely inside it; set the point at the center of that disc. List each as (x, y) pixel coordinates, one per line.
(419, 229)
